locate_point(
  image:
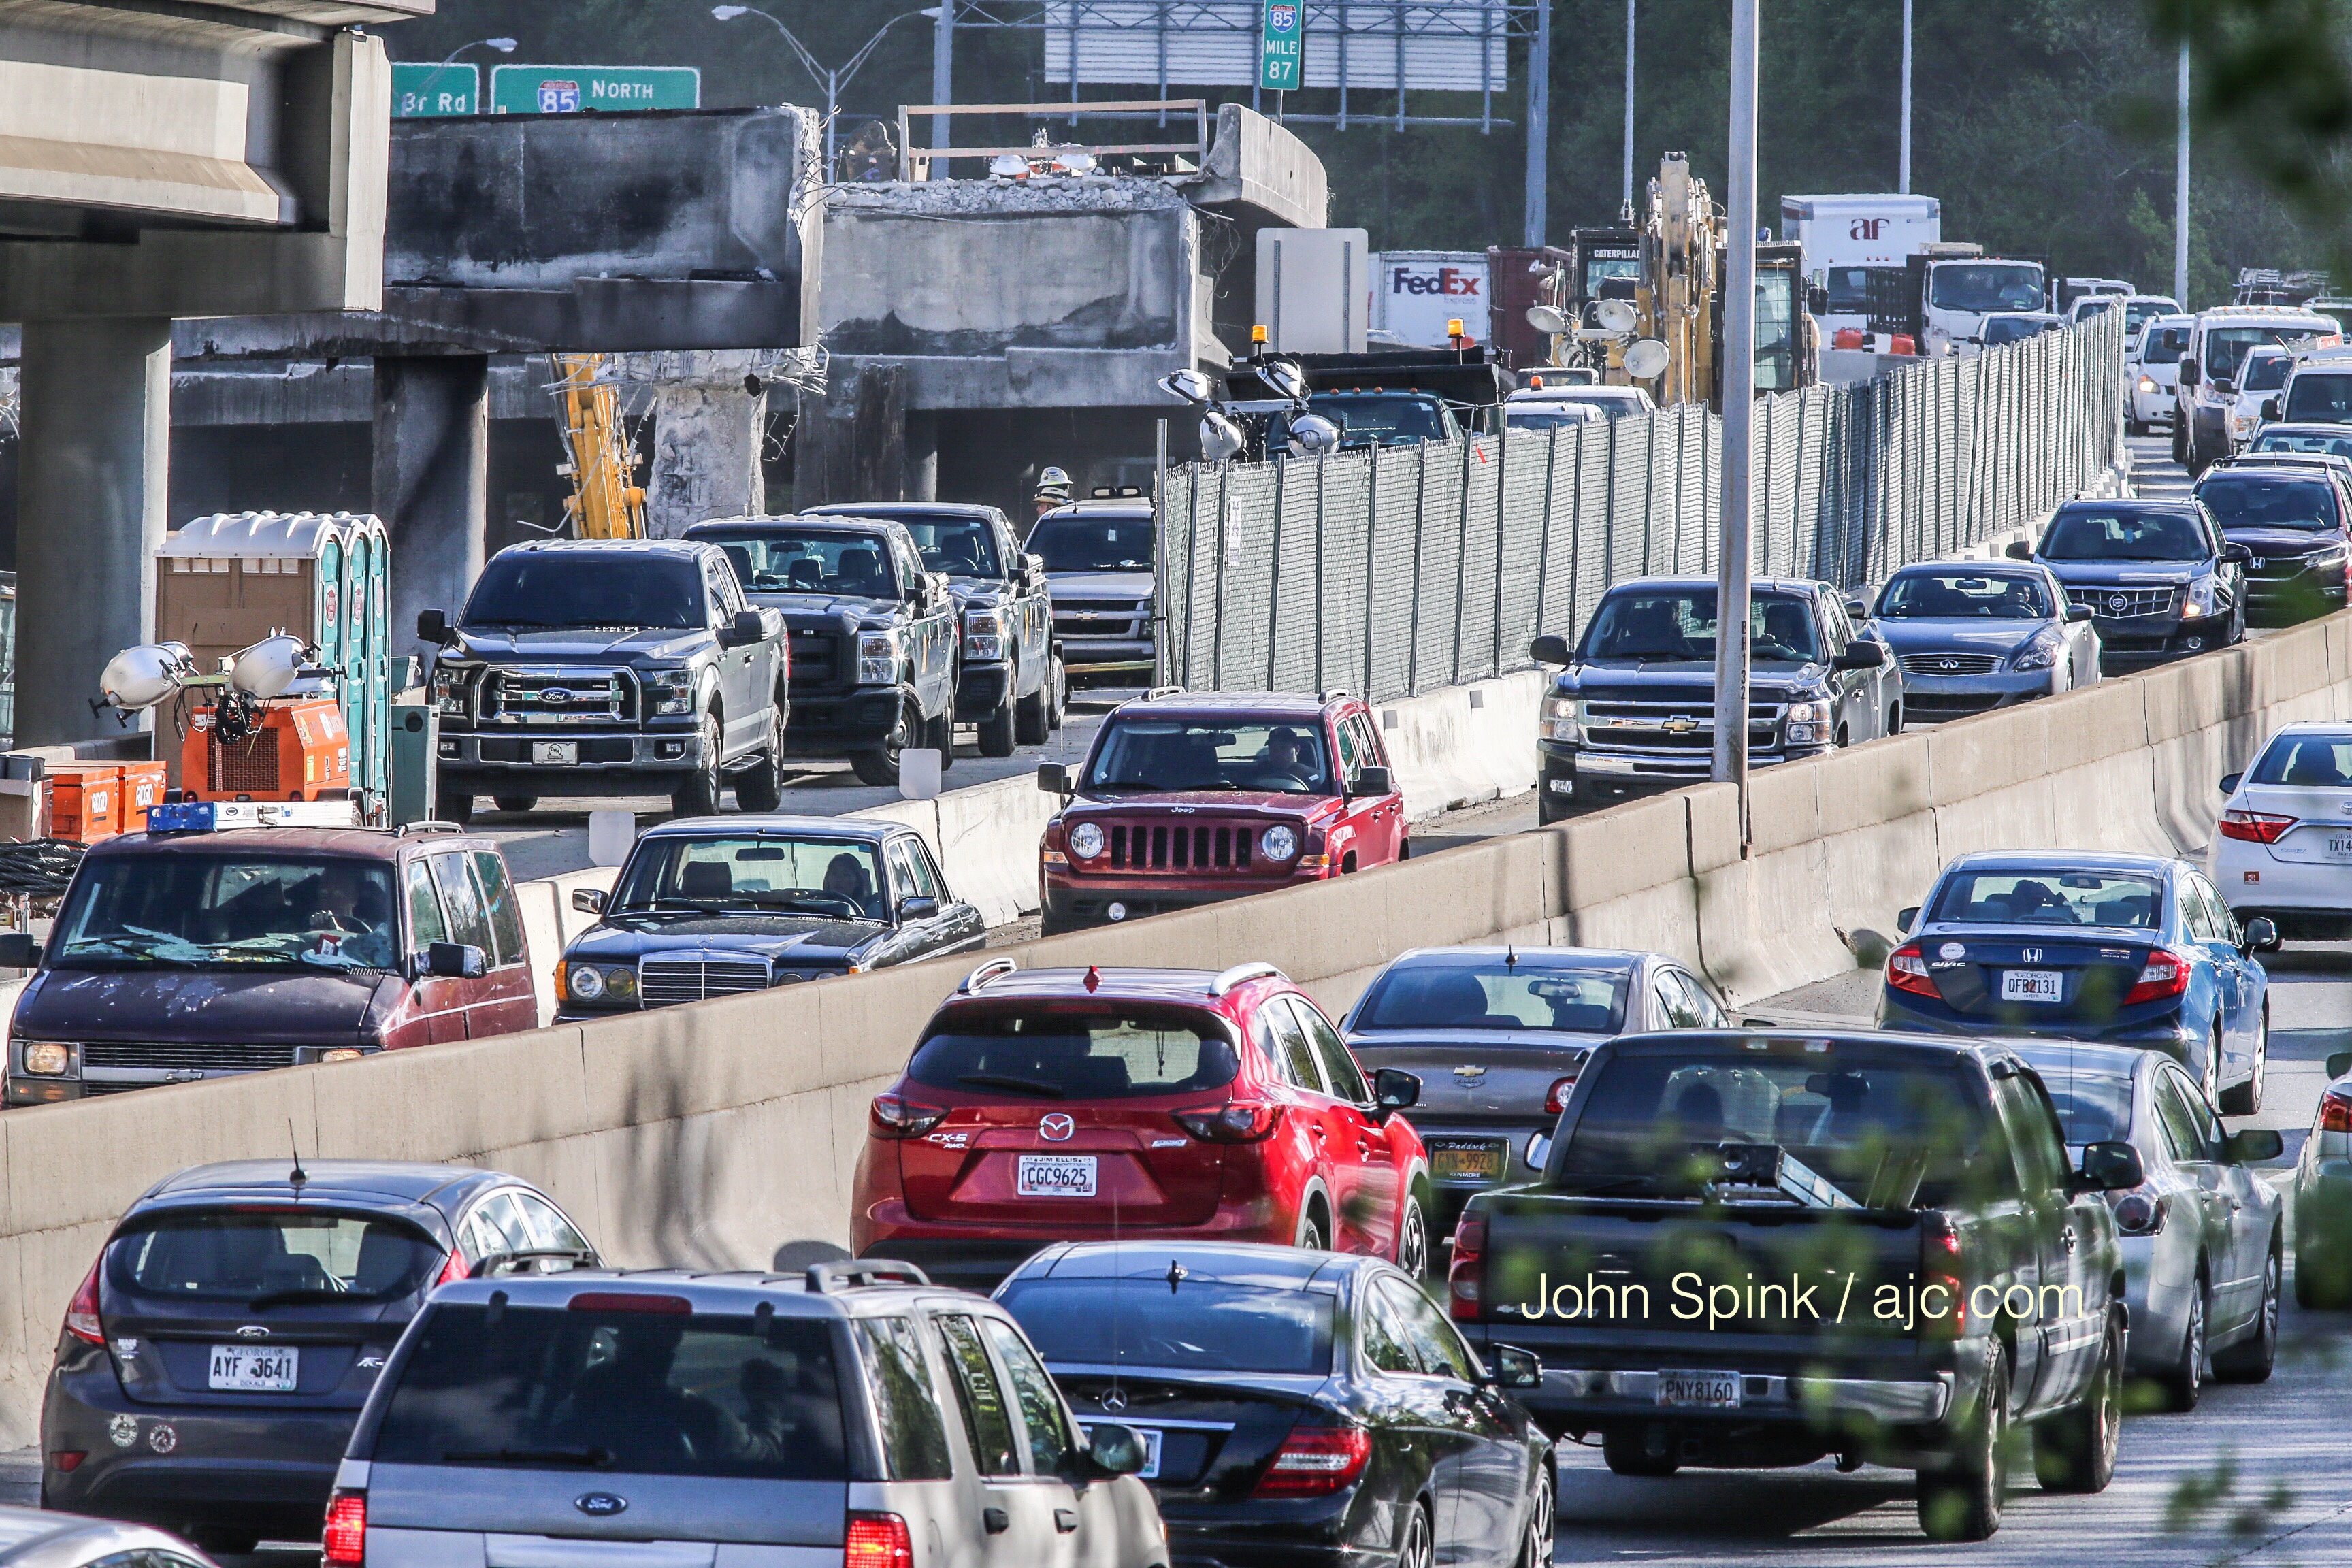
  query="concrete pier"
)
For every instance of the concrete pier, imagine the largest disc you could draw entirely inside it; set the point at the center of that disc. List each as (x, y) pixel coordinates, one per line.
(432, 480)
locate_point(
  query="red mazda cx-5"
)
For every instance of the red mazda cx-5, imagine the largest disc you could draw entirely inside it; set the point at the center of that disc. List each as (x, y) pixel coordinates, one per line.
(1098, 1104)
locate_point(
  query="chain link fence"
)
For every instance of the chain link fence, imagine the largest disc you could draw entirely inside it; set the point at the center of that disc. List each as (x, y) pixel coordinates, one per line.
(1397, 571)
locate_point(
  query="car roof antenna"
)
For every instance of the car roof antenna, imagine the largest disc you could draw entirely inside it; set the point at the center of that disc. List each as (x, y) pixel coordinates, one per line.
(1176, 1275)
(1510, 955)
(298, 1175)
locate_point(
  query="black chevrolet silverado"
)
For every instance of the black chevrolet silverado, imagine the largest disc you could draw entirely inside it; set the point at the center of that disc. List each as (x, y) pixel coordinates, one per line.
(1759, 1248)
(609, 666)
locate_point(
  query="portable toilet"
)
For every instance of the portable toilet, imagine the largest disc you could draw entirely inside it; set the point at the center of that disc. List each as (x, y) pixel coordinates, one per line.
(224, 582)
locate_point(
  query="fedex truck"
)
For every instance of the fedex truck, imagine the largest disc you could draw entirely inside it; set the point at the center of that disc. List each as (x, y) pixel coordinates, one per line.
(1846, 236)
(1416, 293)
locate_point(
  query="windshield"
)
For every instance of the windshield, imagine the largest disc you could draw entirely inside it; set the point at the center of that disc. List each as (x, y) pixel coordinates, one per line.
(251, 1254)
(201, 911)
(2241, 501)
(2139, 312)
(2322, 399)
(2013, 328)
(773, 561)
(529, 588)
(768, 873)
(2266, 373)
(959, 546)
(1614, 402)
(1549, 414)
(2226, 347)
(1099, 543)
(2164, 345)
(2051, 898)
(2275, 439)
(1985, 286)
(1079, 1051)
(1611, 277)
(2314, 761)
(1886, 1129)
(2094, 1105)
(1389, 420)
(1490, 993)
(2122, 536)
(1776, 331)
(1676, 626)
(1959, 595)
(1207, 1327)
(658, 1392)
(1849, 290)
(1163, 754)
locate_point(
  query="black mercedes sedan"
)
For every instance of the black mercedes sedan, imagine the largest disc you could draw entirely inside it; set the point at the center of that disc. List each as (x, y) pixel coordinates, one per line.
(709, 906)
(1297, 1409)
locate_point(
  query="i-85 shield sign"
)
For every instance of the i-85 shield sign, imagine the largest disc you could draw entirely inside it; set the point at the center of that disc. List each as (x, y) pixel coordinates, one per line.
(1281, 45)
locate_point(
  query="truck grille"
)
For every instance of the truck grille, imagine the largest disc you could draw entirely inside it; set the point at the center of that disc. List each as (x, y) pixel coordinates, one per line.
(666, 980)
(1123, 619)
(821, 659)
(2123, 602)
(165, 1056)
(1644, 719)
(2277, 568)
(1950, 663)
(1193, 847)
(553, 697)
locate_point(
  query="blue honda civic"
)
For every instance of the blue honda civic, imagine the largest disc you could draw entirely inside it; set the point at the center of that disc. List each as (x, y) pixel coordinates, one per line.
(2125, 950)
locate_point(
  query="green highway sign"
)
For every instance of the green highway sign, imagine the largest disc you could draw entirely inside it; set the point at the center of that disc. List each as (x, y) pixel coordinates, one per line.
(422, 91)
(606, 90)
(1282, 45)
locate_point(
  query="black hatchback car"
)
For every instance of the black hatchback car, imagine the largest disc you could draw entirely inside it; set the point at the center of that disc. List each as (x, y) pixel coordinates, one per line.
(213, 1361)
(2160, 581)
(1297, 1409)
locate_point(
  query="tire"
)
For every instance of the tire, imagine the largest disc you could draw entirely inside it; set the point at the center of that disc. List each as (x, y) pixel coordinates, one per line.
(1417, 1548)
(451, 807)
(2134, 427)
(1541, 1539)
(761, 787)
(2184, 1382)
(2075, 1450)
(879, 765)
(1412, 1238)
(2180, 443)
(698, 796)
(1626, 1454)
(2245, 1098)
(1895, 720)
(1033, 718)
(943, 731)
(1964, 1503)
(1000, 730)
(2251, 1358)
(1844, 739)
(2211, 1082)
(1547, 811)
(514, 801)
(1311, 1237)
(1057, 713)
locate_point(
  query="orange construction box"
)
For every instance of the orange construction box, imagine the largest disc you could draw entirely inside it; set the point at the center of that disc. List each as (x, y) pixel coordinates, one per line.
(85, 801)
(143, 786)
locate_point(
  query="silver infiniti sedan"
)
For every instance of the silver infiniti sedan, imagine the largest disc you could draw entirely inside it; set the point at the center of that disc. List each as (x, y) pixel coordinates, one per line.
(2202, 1237)
(1498, 1035)
(1970, 635)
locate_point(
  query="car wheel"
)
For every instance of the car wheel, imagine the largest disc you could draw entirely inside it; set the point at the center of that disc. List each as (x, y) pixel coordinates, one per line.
(2251, 1358)
(1001, 729)
(878, 765)
(2245, 1098)
(1412, 1238)
(1418, 1548)
(2134, 427)
(943, 729)
(1540, 1541)
(451, 807)
(514, 801)
(1895, 720)
(1032, 722)
(1964, 1502)
(2180, 445)
(2210, 1081)
(1312, 1236)
(2184, 1384)
(2075, 1450)
(1628, 1453)
(698, 796)
(761, 787)
(1058, 712)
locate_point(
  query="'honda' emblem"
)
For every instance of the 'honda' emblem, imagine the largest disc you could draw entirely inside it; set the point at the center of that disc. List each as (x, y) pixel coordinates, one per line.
(2031, 955)
(1057, 1127)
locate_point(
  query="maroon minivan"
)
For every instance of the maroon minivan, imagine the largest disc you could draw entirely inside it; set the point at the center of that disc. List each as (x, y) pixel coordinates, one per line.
(185, 955)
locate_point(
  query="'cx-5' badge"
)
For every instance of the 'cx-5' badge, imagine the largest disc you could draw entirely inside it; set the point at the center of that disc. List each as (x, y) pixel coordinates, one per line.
(1056, 1127)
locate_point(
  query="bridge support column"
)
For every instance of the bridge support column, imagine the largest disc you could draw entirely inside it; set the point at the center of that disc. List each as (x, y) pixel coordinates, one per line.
(92, 476)
(706, 455)
(432, 481)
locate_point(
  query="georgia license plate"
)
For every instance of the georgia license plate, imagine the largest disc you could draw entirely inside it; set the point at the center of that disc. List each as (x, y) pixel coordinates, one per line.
(1151, 1436)
(1699, 1390)
(1465, 1162)
(1056, 1176)
(2339, 846)
(555, 754)
(256, 1369)
(2032, 985)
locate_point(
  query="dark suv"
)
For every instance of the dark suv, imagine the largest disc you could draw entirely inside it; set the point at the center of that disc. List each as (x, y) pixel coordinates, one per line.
(2295, 521)
(873, 635)
(213, 1361)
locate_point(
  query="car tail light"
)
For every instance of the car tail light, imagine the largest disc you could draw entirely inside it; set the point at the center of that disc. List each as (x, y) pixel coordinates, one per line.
(1940, 1269)
(892, 1116)
(2137, 1212)
(1236, 1122)
(346, 1535)
(2254, 826)
(1556, 1098)
(456, 1268)
(1462, 1274)
(878, 1541)
(2165, 974)
(1315, 1461)
(2335, 1112)
(1906, 970)
(81, 1314)
(66, 1461)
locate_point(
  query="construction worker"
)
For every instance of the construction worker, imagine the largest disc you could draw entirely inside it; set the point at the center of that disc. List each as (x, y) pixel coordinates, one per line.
(1053, 491)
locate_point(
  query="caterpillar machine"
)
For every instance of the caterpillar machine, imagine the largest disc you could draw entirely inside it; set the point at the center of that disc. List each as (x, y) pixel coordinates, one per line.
(605, 502)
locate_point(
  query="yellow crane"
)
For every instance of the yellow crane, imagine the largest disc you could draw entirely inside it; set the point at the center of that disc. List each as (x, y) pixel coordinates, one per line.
(1682, 251)
(606, 502)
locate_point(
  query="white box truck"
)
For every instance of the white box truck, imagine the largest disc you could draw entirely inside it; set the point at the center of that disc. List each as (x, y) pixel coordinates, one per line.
(1314, 290)
(1416, 293)
(1844, 236)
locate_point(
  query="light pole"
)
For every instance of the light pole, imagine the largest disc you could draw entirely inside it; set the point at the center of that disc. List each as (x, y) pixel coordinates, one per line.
(1731, 591)
(2180, 192)
(1628, 211)
(503, 46)
(1903, 162)
(833, 81)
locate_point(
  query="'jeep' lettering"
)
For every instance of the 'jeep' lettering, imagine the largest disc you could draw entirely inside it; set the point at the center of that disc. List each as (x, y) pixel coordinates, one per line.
(1445, 280)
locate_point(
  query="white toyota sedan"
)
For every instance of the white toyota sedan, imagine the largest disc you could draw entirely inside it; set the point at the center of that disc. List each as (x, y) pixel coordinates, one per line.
(2284, 850)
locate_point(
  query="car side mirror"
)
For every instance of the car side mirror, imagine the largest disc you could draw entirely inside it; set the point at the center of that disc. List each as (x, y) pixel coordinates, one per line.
(2253, 1146)
(2261, 935)
(2229, 782)
(588, 901)
(917, 908)
(2018, 550)
(2108, 1166)
(1373, 780)
(2236, 552)
(1817, 301)
(2188, 372)
(19, 950)
(1858, 607)
(1550, 648)
(1861, 654)
(2078, 614)
(1393, 1090)
(455, 960)
(2339, 1064)
(1905, 917)
(2270, 407)
(433, 627)
(749, 626)
(1517, 1368)
(1053, 778)
(1113, 1450)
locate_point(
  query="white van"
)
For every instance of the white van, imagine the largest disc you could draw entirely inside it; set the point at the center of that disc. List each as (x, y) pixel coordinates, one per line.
(2205, 393)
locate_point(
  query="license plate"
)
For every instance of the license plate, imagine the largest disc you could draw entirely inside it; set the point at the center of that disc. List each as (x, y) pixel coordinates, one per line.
(2032, 985)
(1699, 1390)
(555, 754)
(254, 1368)
(2339, 846)
(1151, 1436)
(1056, 1176)
(1472, 1161)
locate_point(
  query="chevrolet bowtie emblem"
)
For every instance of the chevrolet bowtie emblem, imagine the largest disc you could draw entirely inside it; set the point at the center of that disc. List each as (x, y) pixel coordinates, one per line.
(1678, 725)
(1469, 1074)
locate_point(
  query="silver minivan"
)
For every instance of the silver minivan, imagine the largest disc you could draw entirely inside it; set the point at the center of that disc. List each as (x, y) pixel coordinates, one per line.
(855, 1417)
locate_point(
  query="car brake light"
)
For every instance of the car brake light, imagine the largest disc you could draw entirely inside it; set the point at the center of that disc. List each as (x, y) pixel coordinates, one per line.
(1315, 1461)
(1462, 1275)
(1556, 1098)
(81, 1314)
(66, 1461)
(345, 1539)
(1906, 970)
(878, 1541)
(456, 1268)
(2335, 1112)
(893, 1117)
(2165, 974)
(1236, 1122)
(2254, 826)
(1940, 1268)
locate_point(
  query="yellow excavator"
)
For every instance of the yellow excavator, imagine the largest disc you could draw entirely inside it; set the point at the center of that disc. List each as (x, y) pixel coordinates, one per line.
(1681, 250)
(606, 502)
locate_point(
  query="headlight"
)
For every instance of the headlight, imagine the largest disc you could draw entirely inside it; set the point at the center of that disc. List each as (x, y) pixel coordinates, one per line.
(877, 659)
(1279, 843)
(341, 1054)
(1086, 840)
(1809, 723)
(2242, 423)
(449, 691)
(670, 680)
(47, 1059)
(2039, 654)
(2200, 597)
(2146, 384)
(585, 982)
(621, 984)
(983, 634)
(2332, 555)
(1563, 717)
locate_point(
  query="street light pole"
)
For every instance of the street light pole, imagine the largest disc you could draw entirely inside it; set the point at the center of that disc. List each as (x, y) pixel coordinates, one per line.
(1903, 163)
(2180, 192)
(1628, 212)
(503, 46)
(1539, 127)
(943, 70)
(1738, 387)
(832, 80)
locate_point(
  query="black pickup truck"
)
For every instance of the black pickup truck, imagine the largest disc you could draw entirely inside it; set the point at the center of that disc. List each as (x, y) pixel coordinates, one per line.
(1758, 1248)
(611, 666)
